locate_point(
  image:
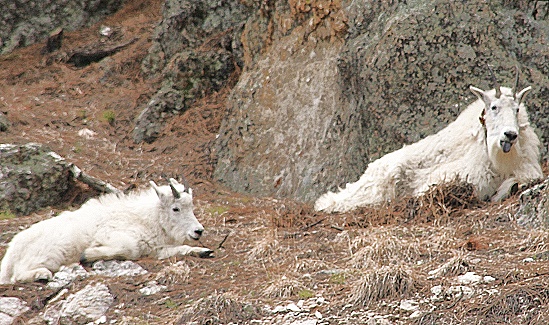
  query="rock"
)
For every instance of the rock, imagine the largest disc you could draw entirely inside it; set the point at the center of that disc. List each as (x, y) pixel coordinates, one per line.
(11, 307)
(87, 305)
(4, 123)
(114, 268)
(152, 288)
(66, 275)
(25, 22)
(469, 278)
(33, 177)
(314, 105)
(409, 305)
(196, 50)
(54, 42)
(534, 207)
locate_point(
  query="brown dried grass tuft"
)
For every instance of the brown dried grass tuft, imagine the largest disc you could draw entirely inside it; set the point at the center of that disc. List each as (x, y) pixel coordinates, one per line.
(178, 272)
(458, 264)
(220, 308)
(438, 205)
(523, 303)
(384, 246)
(267, 248)
(283, 287)
(383, 283)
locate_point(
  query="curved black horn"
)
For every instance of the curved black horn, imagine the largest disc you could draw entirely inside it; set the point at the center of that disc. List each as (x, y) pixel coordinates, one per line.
(515, 88)
(495, 81)
(175, 193)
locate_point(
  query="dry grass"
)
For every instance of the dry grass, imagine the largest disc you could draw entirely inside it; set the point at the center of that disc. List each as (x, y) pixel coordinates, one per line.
(283, 287)
(178, 272)
(384, 246)
(266, 248)
(382, 283)
(439, 205)
(524, 303)
(220, 308)
(458, 264)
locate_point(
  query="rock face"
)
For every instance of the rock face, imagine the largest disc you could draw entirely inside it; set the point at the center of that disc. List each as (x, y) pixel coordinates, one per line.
(196, 50)
(25, 22)
(328, 87)
(31, 177)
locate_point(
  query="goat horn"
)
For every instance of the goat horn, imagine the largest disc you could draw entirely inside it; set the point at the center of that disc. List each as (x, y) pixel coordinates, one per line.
(516, 82)
(495, 81)
(175, 193)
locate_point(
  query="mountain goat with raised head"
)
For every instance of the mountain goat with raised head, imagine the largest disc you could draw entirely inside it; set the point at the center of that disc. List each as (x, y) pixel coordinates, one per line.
(153, 223)
(490, 145)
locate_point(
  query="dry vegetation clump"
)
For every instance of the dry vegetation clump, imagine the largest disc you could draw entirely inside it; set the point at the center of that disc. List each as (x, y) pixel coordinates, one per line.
(523, 303)
(384, 246)
(311, 266)
(266, 248)
(439, 205)
(383, 283)
(283, 287)
(458, 264)
(220, 308)
(178, 272)
(443, 201)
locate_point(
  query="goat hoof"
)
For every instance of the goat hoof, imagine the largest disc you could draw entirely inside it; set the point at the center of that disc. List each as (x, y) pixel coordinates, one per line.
(208, 253)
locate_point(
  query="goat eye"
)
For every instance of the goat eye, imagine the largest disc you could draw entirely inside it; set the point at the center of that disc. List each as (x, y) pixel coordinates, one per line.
(494, 107)
(176, 209)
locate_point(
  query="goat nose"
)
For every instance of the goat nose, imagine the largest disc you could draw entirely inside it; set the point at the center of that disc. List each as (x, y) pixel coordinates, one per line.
(511, 135)
(199, 232)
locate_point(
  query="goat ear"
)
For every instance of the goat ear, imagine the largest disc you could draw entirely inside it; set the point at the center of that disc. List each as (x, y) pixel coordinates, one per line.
(520, 95)
(156, 189)
(481, 94)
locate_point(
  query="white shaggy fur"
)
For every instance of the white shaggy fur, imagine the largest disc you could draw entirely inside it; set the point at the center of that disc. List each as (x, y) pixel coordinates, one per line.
(492, 156)
(153, 223)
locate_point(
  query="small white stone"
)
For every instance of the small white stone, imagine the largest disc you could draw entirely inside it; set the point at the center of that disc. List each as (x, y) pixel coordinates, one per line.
(436, 290)
(293, 307)
(409, 305)
(488, 279)
(469, 278)
(318, 314)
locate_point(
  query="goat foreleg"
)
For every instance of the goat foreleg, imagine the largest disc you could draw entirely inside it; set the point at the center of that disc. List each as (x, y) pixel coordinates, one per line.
(169, 251)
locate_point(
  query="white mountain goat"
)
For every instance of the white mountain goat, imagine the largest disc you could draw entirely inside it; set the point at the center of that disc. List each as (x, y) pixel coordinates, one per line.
(152, 222)
(494, 154)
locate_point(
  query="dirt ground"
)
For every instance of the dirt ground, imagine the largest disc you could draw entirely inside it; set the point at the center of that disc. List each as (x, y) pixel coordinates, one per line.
(368, 266)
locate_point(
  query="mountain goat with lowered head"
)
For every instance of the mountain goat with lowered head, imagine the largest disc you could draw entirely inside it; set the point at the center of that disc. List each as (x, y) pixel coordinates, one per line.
(490, 145)
(152, 223)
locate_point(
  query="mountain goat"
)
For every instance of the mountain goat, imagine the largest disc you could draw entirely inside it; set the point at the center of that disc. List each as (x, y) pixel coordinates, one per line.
(153, 223)
(490, 145)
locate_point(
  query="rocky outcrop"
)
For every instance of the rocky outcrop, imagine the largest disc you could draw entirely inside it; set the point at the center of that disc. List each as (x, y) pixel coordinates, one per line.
(33, 177)
(196, 51)
(26, 22)
(533, 211)
(329, 86)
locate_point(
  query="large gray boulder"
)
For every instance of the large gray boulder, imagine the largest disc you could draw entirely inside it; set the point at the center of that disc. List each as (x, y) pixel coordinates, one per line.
(336, 87)
(24, 22)
(33, 177)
